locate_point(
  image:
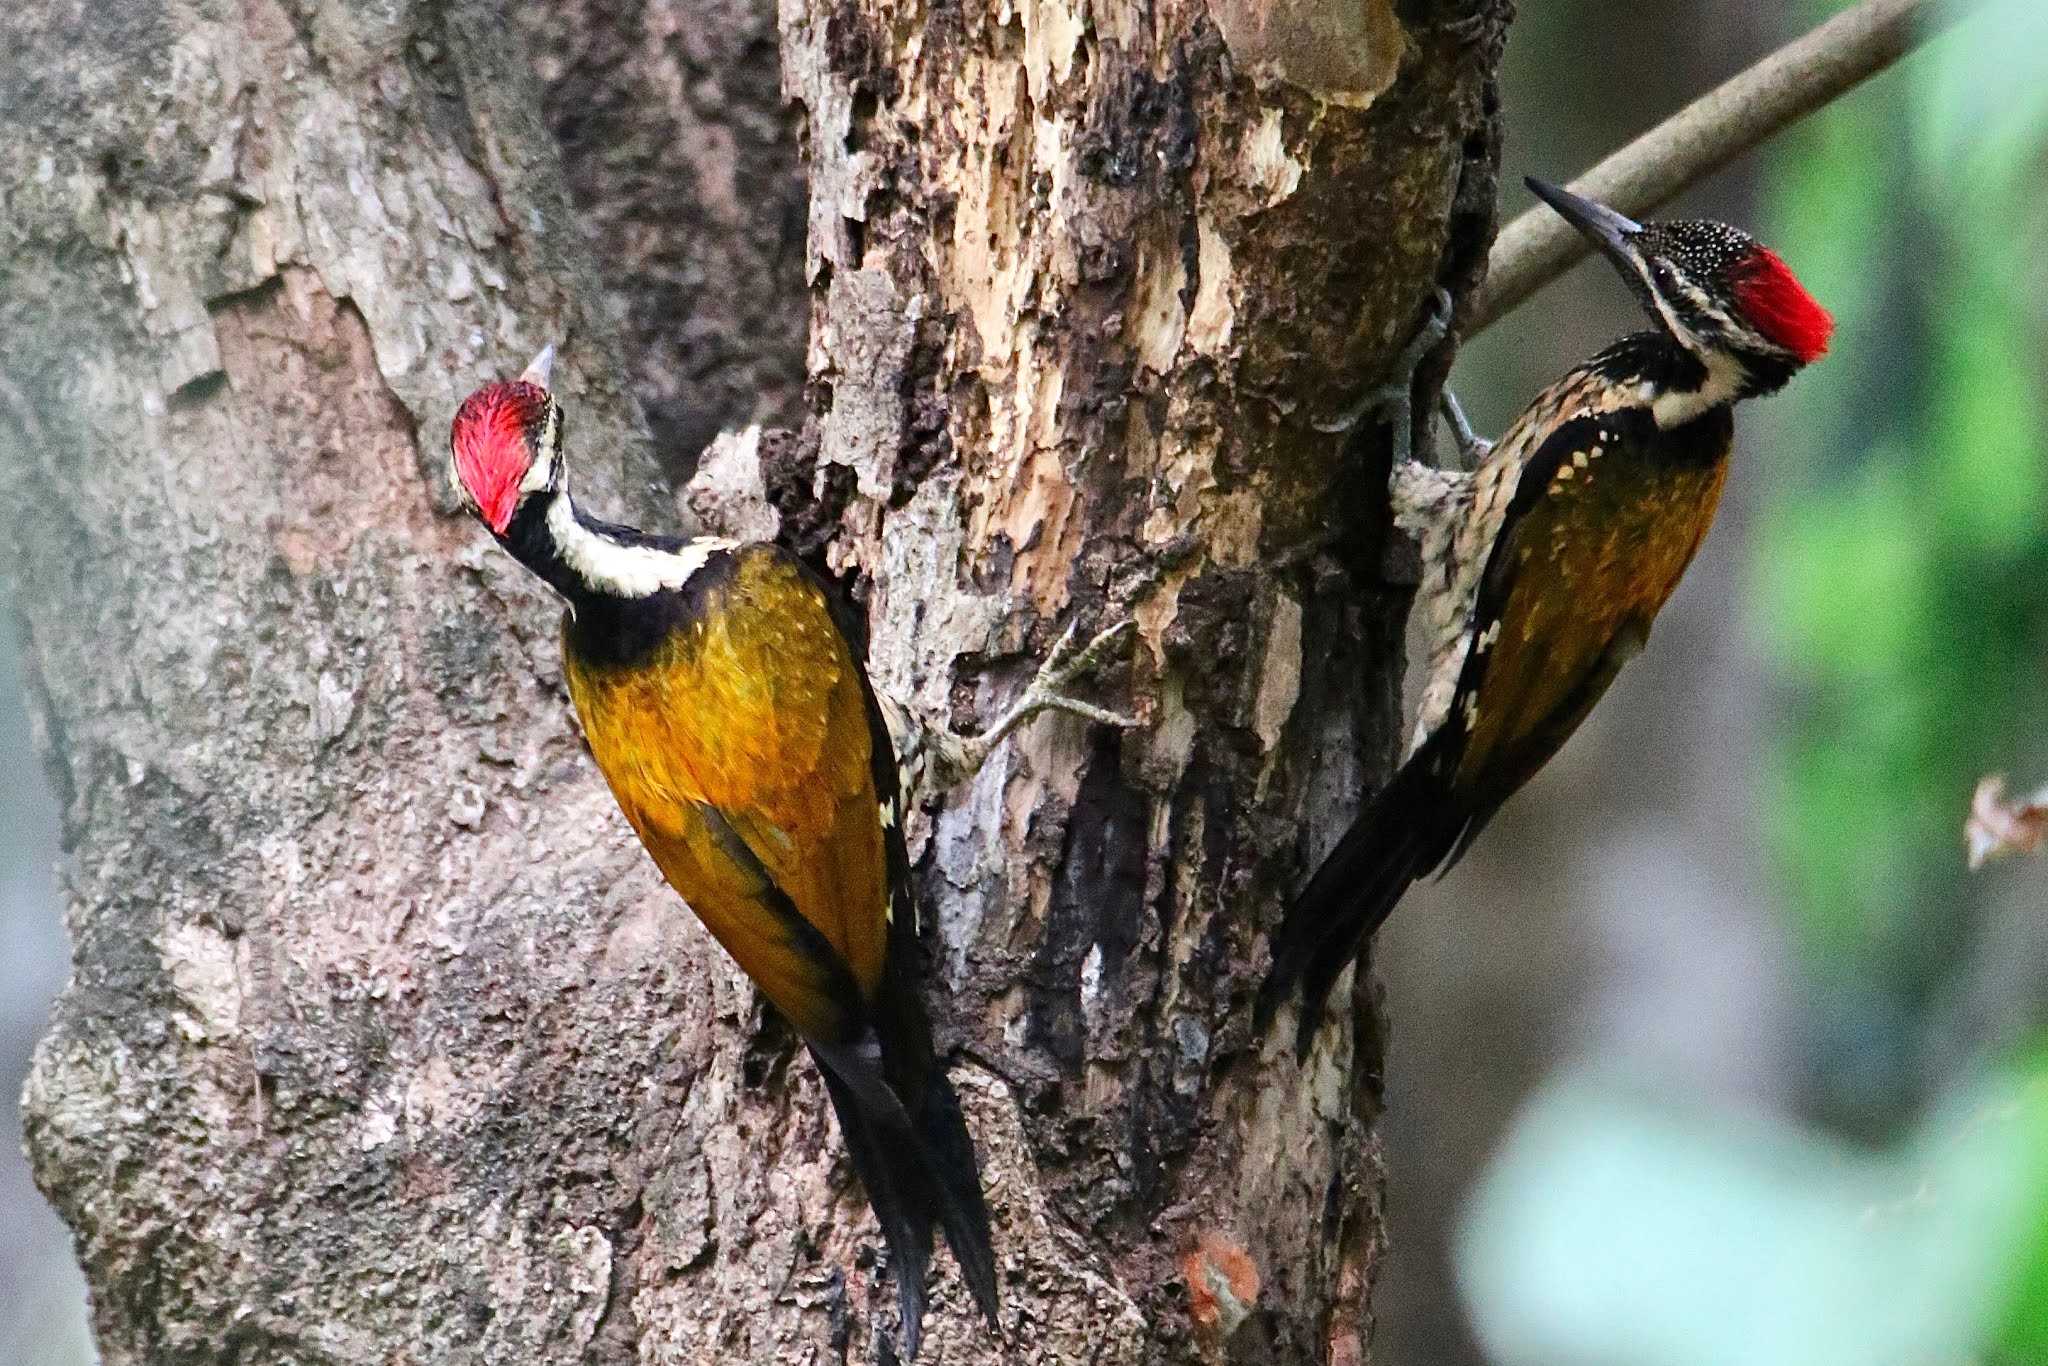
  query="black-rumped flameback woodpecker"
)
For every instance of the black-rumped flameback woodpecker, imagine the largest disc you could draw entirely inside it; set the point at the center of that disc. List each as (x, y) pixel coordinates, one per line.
(723, 700)
(1544, 568)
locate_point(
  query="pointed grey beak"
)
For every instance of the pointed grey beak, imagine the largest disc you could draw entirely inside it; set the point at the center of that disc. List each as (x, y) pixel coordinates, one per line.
(1602, 226)
(543, 366)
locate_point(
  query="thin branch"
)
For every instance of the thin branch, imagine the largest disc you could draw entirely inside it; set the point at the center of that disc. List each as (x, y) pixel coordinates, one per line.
(1706, 135)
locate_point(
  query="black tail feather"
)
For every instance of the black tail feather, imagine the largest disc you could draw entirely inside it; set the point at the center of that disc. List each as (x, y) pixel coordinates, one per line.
(886, 1158)
(916, 1174)
(1405, 833)
(962, 1210)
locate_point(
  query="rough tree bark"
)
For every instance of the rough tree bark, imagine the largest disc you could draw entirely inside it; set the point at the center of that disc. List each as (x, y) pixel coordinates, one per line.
(681, 158)
(384, 1040)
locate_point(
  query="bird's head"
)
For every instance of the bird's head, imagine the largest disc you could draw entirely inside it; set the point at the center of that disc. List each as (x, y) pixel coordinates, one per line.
(506, 444)
(1715, 290)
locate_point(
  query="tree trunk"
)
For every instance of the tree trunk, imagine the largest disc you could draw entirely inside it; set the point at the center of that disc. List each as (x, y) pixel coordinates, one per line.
(385, 1042)
(682, 159)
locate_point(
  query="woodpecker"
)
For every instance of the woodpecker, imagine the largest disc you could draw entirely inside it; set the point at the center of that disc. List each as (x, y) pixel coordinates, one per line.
(1545, 567)
(722, 698)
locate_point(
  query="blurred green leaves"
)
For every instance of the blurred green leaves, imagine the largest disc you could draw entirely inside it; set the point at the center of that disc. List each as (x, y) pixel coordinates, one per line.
(1611, 1231)
(2023, 1334)
(1901, 560)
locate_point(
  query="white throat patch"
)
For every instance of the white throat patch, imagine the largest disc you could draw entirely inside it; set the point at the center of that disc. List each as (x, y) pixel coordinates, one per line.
(626, 571)
(1723, 384)
(1725, 375)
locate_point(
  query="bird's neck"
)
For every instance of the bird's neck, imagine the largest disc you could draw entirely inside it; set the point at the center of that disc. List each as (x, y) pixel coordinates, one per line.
(1681, 385)
(587, 560)
(1677, 384)
(1716, 380)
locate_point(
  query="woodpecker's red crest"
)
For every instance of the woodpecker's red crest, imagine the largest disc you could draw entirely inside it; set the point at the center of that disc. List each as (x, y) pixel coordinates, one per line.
(504, 441)
(1714, 289)
(1774, 299)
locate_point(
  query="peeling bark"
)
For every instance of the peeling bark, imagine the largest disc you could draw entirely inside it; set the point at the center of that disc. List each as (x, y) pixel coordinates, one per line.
(384, 1040)
(1131, 254)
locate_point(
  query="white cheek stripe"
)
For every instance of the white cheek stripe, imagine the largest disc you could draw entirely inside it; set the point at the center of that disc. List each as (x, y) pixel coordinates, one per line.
(1725, 374)
(540, 473)
(628, 571)
(1678, 329)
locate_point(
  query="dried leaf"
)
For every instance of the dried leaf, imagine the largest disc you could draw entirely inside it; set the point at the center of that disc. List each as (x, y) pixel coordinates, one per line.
(1997, 827)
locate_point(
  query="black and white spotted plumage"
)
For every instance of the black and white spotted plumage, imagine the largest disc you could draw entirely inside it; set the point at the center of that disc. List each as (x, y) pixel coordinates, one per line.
(1544, 570)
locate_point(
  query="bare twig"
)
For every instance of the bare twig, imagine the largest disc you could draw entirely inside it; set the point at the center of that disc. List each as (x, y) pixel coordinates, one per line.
(1706, 135)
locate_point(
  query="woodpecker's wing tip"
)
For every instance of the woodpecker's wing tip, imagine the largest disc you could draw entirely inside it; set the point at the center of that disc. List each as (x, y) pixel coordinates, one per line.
(542, 367)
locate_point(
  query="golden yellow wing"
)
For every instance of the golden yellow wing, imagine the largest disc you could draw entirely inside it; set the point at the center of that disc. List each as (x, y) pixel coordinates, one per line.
(1573, 584)
(739, 749)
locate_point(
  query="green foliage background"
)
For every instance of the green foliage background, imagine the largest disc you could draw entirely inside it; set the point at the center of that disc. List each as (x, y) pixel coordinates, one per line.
(1902, 550)
(1888, 1206)
(1902, 574)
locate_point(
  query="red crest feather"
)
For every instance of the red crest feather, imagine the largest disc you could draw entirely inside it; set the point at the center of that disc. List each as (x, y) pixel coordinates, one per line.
(491, 451)
(1779, 305)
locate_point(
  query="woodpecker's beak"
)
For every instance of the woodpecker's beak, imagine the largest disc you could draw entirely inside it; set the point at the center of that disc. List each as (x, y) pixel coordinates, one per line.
(543, 366)
(1602, 226)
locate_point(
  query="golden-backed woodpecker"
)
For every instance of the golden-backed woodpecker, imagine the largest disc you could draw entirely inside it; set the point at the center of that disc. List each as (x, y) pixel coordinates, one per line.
(724, 702)
(1544, 568)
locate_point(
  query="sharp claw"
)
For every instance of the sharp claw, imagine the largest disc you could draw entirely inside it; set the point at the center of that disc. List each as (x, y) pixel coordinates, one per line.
(1432, 331)
(1100, 715)
(1063, 664)
(1109, 633)
(1092, 653)
(1058, 653)
(954, 759)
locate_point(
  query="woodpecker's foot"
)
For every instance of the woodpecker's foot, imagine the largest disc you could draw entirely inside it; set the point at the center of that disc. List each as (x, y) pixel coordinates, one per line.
(1044, 693)
(938, 759)
(1471, 445)
(1396, 398)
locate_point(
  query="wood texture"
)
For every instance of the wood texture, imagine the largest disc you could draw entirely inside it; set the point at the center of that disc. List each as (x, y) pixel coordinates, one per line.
(385, 1041)
(1083, 280)
(682, 158)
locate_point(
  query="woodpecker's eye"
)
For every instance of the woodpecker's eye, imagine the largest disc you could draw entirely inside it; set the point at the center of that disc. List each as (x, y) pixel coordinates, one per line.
(1719, 280)
(1680, 301)
(497, 434)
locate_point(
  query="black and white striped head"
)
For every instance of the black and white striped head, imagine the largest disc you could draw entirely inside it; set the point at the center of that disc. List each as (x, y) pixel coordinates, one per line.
(1723, 296)
(507, 445)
